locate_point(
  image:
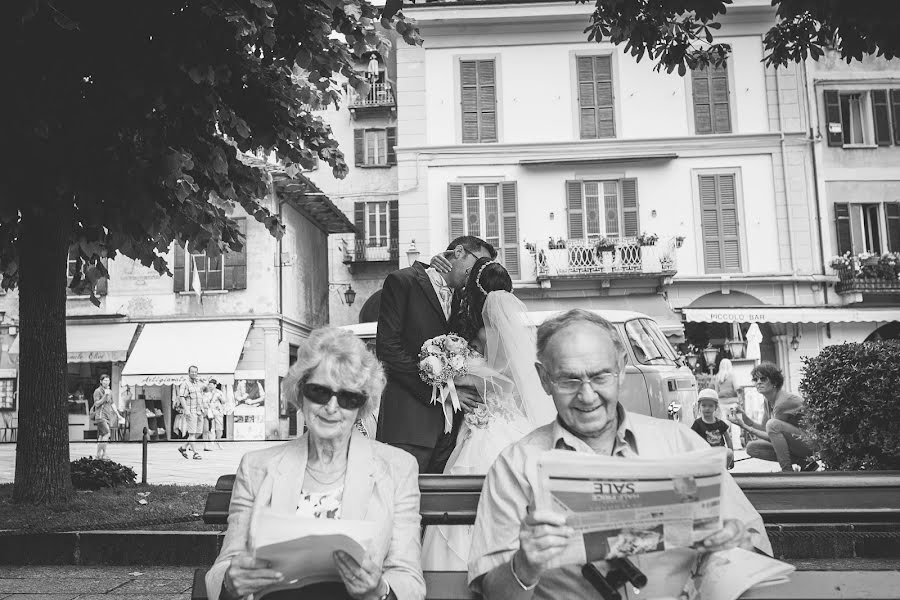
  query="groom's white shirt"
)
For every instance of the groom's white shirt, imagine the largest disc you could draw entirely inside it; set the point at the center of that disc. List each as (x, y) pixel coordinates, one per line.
(440, 285)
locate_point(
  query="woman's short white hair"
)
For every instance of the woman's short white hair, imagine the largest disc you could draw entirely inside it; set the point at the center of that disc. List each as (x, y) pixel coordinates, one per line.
(346, 359)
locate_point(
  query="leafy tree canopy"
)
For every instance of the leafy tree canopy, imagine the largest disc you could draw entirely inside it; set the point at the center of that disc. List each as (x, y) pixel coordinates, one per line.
(679, 34)
(132, 116)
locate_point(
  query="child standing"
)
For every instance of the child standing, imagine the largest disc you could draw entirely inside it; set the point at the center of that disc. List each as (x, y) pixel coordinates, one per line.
(711, 429)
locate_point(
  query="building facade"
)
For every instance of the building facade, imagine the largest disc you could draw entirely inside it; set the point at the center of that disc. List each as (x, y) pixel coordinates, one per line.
(239, 318)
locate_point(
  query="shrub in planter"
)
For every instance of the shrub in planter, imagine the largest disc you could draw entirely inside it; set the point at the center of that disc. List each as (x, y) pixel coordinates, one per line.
(90, 473)
(852, 409)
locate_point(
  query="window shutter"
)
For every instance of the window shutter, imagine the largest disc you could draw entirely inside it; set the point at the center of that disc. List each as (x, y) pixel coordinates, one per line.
(881, 114)
(842, 228)
(833, 118)
(359, 221)
(391, 142)
(892, 218)
(394, 229)
(487, 101)
(236, 262)
(701, 99)
(631, 225)
(895, 113)
(709, 223)
(456, 211)
(469, 99)
(178, 271)
(712, 112)
(731, 245)
(473, 209)
(575, 209)
(510, 206)
(359, 144)
(595, 97)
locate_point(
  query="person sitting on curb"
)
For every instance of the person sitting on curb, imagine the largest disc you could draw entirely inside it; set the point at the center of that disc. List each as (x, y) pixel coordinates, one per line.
(779, 433)
(714, 431)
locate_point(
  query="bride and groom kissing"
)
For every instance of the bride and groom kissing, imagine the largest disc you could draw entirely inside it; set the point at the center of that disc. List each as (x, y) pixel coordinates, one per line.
(467, 292)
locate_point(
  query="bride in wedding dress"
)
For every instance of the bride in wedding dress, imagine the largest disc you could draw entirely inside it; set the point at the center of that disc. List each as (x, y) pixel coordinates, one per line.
(502, 369)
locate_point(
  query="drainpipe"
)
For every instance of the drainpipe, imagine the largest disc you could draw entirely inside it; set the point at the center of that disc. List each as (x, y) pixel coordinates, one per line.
(784, 172)
(279, 203)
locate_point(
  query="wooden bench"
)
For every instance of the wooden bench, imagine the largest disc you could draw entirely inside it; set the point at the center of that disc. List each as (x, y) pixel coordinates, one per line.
(826, 523)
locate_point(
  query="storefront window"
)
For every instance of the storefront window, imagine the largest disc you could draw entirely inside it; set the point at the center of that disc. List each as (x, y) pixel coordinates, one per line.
(7, 394)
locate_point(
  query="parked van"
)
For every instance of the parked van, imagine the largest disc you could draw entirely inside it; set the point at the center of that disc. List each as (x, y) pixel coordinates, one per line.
(654, 379)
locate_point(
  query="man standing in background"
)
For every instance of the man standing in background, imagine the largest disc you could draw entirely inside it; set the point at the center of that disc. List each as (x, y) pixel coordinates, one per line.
(191, 402)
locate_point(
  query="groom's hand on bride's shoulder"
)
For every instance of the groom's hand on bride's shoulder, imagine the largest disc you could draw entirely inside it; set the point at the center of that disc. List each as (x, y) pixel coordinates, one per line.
(468, 397)
(440, 263)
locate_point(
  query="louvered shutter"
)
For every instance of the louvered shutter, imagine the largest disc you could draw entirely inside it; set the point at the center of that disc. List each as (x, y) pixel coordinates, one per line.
(712, 112)
(728, 211)
(359, 221)
(834, 131)
(842, 228)
(575, 209)
(178, 271)
(892, 218)
(709, 223)
(881, 113)
(391, 142)
(631, 225)
(469, 99)
(394, 232)
(719, 223)
(478, 96)
(473, 208)
(895, 113)
(595, 97)
(510, 206)
(236, 263)
(359, 147)
(456, 210)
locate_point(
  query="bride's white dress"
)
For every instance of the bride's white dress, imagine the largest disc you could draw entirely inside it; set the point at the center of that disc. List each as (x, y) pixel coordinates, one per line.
(506, 416)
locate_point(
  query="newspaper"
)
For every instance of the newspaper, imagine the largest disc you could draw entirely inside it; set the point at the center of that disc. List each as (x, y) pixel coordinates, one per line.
(621, 507)
(302, 548)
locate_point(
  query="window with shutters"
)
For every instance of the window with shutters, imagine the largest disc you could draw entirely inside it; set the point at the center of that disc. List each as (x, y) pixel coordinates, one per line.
(607, 208)
(719, 223)
(375, 147)
(227, 271)
(595, 97)
(488, 211)
(376, 231)
(710, 94)
(862, 118)
(867, 227)
(478, 100)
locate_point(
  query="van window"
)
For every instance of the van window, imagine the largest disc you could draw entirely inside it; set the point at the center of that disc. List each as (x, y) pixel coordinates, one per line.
(648, 343)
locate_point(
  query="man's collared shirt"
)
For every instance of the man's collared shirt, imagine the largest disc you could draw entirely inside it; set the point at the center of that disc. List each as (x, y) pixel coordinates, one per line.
(444, 292)
(509, 489)
(190, 394)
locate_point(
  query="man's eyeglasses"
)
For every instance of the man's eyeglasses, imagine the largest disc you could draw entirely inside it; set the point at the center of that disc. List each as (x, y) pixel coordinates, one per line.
(760, 379)
(571, 385)
(320, 394)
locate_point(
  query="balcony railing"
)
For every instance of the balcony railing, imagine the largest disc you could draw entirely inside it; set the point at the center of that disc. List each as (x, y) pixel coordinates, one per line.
(381, 94)
(875, 276)
(624, 258)
(360, 251)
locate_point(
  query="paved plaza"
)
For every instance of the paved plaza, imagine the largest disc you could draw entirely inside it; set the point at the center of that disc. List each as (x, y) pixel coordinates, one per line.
(87, 583)
(166, 465)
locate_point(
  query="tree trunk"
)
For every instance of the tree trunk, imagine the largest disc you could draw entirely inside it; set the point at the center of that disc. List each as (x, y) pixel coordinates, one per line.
(42, 452)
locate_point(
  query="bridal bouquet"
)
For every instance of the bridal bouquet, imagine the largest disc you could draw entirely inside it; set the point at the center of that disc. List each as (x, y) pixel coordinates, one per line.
(442, 359)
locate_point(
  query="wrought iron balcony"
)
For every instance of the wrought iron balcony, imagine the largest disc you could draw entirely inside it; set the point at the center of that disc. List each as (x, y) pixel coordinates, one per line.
(363, 251)
(577, 258)
(380, 96)
(867, 278)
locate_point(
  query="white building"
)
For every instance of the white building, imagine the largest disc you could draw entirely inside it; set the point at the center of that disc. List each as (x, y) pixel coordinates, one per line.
(513, 127)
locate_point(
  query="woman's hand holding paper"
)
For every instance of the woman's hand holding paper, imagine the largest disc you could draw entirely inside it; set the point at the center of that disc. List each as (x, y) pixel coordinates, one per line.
(363, 581)
(248, 575)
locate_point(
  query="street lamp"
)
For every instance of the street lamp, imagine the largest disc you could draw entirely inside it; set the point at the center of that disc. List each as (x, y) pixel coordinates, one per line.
(795, 341)
(412, 253)
(349, 295)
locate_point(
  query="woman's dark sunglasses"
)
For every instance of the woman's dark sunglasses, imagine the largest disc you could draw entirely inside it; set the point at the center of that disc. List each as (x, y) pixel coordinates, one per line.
(761, 379)
(322, 395)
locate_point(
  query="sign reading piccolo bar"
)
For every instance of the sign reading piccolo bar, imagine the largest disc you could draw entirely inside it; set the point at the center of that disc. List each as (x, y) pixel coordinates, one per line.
(765, 314)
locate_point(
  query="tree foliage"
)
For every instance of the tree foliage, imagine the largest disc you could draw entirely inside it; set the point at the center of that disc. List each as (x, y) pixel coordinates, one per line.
(135, 115)
(680, 34)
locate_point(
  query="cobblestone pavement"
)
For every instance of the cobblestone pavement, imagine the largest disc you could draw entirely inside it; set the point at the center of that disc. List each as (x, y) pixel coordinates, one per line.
(101, 583)
(166, 465)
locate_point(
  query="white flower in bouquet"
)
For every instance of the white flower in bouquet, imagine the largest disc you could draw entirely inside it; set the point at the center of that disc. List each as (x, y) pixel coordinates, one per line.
(432, 367)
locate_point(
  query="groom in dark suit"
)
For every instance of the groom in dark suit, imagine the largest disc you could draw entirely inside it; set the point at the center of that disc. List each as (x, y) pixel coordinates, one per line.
(417, 304)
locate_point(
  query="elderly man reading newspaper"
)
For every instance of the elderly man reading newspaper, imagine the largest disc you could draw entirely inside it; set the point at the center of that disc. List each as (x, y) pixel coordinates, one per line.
(514, 547)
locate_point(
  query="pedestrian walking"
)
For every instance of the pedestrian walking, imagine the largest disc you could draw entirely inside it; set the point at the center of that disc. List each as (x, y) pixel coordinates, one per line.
(104, 414)
(215, 414)
(191, 402)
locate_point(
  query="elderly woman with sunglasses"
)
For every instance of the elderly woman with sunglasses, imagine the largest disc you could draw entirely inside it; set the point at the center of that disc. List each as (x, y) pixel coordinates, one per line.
(332, 471)
(780, 437)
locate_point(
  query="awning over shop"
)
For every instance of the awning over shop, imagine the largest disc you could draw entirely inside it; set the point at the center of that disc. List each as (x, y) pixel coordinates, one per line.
(766, 314)
(164, 351)
(106, 342)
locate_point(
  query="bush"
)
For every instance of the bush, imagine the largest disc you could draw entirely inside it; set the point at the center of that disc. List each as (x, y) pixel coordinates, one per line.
(90, 473)
(852, 409)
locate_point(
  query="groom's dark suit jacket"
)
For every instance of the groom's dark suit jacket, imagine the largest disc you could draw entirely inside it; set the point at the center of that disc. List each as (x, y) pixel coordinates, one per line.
(410, 314)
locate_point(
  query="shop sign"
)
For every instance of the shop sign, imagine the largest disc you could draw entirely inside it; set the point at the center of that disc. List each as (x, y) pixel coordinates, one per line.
(249, 422)
(147, 380)
(96, 356)
(727, 316)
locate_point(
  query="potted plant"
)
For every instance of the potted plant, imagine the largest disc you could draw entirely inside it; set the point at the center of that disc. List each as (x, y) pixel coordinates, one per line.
(647, 239)
(605, 247)
(530, 247)
(605, 244)
(679, 241)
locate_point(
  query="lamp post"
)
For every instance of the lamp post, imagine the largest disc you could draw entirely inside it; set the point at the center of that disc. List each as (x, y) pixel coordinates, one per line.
(412, 253)
(709, 355)
(349, 295)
